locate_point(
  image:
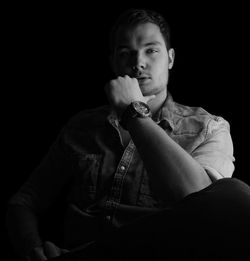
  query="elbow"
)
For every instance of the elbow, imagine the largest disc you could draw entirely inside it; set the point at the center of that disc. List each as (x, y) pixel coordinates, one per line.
(194, 185)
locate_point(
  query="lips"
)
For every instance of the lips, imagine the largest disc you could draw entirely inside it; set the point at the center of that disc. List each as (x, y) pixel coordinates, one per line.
(142, 79)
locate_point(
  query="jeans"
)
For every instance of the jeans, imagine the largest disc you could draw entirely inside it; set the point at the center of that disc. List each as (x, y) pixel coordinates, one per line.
(211, 224)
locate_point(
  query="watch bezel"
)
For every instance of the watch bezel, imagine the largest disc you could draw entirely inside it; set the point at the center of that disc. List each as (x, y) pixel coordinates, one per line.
(141, 109)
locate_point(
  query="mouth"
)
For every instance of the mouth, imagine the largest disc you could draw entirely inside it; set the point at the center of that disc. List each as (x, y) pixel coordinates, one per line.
(143, 80)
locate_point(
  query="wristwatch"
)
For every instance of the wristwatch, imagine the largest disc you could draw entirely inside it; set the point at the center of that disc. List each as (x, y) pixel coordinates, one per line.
(135, 109)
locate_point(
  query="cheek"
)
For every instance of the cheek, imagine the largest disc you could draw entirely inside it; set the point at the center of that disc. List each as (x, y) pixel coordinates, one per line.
(161, 71)
(163, 77)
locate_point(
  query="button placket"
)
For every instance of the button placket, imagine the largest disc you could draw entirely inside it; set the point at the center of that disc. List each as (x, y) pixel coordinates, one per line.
(119, 176)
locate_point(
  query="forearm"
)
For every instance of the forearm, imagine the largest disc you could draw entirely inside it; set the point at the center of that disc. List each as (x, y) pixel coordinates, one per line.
(22, 229)
(170, 167)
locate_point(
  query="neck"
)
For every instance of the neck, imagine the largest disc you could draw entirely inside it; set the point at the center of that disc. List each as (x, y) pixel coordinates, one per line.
(156, 103)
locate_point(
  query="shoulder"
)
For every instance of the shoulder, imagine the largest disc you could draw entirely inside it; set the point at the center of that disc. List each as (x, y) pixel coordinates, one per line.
(197, 119)
(89, 118)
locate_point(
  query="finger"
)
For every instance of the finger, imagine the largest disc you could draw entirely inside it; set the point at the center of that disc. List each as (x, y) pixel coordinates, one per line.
(51, 250)
(63, 251)
(149, 98)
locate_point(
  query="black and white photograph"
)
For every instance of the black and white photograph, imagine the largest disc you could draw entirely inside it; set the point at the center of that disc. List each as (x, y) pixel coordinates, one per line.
(125, 131)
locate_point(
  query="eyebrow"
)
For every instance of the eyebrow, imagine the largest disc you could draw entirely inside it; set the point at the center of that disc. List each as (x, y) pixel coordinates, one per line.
(153, 43)
(123, 46)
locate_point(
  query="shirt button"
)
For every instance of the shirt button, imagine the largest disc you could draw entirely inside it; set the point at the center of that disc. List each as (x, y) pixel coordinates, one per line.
(122, 168)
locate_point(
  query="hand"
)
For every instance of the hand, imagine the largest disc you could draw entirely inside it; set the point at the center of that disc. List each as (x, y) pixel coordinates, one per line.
(48, 250)
(122, 91)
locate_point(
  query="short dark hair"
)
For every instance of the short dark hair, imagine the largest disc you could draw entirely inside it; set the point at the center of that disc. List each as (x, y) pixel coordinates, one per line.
(133, 17)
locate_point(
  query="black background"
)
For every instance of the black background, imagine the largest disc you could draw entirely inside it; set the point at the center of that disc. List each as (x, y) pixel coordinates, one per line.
(56, 63)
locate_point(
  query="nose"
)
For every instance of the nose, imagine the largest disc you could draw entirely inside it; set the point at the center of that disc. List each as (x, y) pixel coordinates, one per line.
(139, 63)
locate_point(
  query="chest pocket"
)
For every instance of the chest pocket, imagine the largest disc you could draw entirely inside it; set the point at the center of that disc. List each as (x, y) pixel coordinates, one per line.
(86, 178)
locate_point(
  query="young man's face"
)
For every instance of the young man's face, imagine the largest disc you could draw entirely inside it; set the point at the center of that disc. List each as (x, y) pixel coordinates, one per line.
(141, 52)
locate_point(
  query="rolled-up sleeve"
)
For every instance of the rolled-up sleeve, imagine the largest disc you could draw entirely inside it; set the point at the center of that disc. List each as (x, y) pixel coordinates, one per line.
(215, 154)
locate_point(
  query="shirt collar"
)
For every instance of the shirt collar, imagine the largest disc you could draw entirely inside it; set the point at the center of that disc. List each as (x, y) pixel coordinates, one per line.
(113, 119)
(165, 115)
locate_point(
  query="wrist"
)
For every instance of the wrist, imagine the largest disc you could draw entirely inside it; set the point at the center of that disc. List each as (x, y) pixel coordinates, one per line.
(136, 109)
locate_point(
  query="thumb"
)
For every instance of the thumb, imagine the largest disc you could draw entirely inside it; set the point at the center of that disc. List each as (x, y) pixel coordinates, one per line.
(51, 250)
(64, 251)
(149, 98)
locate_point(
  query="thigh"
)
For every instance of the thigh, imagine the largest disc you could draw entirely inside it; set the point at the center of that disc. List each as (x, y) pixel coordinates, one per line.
(211, 223)
(226, 201)
(215, 220)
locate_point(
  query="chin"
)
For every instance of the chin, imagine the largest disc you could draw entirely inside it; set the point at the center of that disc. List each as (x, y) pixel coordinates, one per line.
(151, 91)
(147, 90)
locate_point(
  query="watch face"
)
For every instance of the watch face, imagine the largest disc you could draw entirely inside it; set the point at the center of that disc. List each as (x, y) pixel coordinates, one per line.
(141, 108)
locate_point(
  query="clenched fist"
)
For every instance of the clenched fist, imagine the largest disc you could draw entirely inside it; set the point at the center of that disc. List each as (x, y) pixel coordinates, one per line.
(124, 90)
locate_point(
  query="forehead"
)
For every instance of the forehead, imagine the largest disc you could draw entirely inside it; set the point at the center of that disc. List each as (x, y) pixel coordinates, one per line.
(138, 35)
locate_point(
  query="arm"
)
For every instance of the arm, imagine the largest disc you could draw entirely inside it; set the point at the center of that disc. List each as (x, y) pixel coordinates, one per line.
(170, 167)
(23, 232)
(33, 199)
(215, 154)
(22, 229)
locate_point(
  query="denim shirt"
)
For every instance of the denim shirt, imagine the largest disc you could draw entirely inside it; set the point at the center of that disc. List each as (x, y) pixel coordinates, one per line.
(108, 185)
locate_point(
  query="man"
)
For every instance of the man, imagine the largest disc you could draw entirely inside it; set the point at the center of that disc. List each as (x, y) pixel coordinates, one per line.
(140, 172)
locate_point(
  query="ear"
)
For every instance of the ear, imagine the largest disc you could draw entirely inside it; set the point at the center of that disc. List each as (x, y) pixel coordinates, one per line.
(171, 56)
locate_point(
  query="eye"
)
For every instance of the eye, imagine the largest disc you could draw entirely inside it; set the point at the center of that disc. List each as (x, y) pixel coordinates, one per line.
(151, 51)
(123, 53)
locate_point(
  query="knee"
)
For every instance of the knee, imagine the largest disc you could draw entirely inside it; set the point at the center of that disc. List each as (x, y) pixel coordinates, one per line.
(234, 188)
(236, 183)
(227, 194)
(231, 196)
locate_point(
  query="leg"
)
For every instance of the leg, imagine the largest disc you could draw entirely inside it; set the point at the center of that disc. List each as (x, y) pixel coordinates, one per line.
(213, 221)
(212, 224)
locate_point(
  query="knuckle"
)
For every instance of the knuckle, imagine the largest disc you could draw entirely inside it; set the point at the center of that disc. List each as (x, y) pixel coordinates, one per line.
(112, 83)
(134, 79)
